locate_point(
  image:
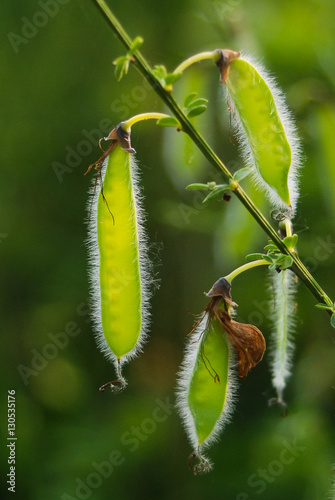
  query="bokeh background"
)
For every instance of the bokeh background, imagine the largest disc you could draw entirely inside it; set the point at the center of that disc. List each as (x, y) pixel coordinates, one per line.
(58, 96)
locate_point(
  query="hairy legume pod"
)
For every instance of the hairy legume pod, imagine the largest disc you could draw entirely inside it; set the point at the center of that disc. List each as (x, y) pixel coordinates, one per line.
(205, 387)
(283, 317)
(270, 142)
(118, 256)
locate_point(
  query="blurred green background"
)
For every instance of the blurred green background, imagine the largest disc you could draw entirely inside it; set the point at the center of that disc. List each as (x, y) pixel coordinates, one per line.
(58, 95)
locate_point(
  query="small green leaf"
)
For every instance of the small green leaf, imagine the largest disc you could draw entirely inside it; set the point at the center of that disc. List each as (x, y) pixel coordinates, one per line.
(171, 78)
(137, 43)
(291, 241)
(119, 72)
(273, 266)
(332, 320)
(121, 67)
(270, 246)
(212, 184)
(217, 191)
(254, 256)
(196, 111)
(288, 261)
(160, 73)
(197, 102)
(189, 99)
(273, 254)
(168, 121)
(242, 173)
(121, 60)
(197, 185)
(267, 258)
(280, 259)
(324, 306)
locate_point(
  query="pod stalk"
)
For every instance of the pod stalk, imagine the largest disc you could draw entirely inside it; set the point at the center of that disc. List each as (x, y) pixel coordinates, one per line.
(202, 56)
(245, 267)
(116, 385)
(126, 125)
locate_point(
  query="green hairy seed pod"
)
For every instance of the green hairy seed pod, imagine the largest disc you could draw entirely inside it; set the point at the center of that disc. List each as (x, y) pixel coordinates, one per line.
(117, 246)
(207, 392)
(283, 315)
(206, 383)
(205, 387)
(270, 142)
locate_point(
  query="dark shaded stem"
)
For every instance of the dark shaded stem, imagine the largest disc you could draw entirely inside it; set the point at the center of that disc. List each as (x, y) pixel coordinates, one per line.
(140, 62)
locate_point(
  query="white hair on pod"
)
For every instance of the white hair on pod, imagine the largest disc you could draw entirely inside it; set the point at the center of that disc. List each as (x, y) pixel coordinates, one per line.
(146, 278)
(290, 129)
(184, 378)
(284, 322)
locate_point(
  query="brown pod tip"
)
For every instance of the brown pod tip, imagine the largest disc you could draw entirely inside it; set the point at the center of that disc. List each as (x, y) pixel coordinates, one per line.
(226, 56)
(221, 288)
(122, 137)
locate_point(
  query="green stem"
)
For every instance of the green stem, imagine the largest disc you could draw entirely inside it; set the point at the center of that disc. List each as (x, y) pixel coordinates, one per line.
(214, 55)
(126, 125)
(140, 62)
(245, 267)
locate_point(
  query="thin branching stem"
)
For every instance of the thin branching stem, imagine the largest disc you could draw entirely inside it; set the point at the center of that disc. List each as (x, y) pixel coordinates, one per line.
(140, 62)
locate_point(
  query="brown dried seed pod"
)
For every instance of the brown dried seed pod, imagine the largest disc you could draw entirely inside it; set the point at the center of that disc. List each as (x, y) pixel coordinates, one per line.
(247, 340)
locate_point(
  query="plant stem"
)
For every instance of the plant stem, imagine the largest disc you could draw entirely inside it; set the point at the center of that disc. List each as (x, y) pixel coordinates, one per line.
(245, 267)
(140, 62)
(214, 55)
(127, 124)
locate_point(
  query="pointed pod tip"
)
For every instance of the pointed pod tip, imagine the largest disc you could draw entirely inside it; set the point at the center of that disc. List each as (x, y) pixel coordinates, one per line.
(198, 464)
(278, 401)
(116, 385)
(112, 135)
